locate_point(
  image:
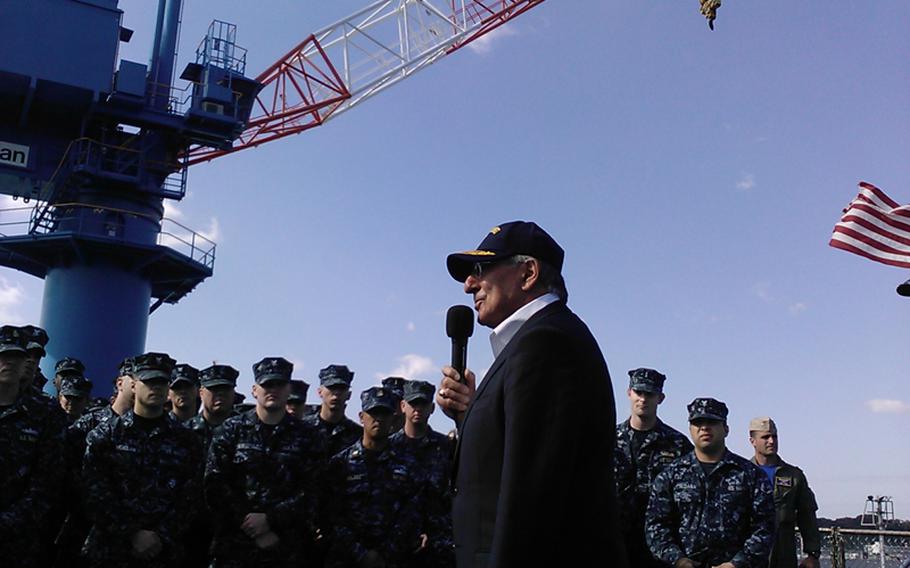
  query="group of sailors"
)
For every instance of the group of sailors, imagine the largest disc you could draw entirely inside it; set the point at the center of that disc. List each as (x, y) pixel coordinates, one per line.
(132, 483)
(173, 473)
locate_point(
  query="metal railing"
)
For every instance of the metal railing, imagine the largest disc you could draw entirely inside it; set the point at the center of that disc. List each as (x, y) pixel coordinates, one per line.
(108, 223)
(861, 548)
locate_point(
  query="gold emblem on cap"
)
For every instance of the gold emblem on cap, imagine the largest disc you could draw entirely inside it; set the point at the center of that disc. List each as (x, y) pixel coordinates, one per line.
(479, 253)
(494, 230)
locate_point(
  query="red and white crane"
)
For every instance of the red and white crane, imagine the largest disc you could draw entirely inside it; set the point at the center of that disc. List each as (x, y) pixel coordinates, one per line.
(357, 57)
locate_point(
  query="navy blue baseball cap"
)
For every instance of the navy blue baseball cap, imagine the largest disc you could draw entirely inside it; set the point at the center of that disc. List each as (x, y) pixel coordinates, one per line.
(12, 339)
(37, 338)
(69, 365)
(75, 385)
(504, 241)
(646, 380)
(299, 389)
(218, 375)
(379, 397)
(272, 369)
(336, 375)
(152, 366)
(419, 390)
(707, 408)
(184, 373)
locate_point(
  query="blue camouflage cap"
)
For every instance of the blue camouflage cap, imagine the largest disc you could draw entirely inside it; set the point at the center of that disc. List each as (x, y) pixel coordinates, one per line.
(378, 397)
(336, 375)
(75, 385)
(646, 380)
(36, 337)
(150, 366)
(218, 375)
(504, 241)
(299, 389)
(272, 369)
(396, 384)
(184, 373)
(125, 368)
(12, 339)
(69, 365)
(417, 390)
(707, 408)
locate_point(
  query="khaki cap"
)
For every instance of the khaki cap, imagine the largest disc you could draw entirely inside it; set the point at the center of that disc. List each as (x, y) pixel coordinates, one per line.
(762, 424)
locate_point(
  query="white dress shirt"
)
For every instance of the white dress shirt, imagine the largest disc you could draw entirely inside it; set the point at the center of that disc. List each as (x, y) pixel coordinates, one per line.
(506, 330)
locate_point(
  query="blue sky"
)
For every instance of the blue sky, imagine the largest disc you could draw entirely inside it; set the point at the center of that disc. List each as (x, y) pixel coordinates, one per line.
(693, 177)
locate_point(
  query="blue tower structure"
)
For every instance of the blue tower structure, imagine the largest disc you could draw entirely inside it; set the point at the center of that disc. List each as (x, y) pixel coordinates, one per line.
(99, 146)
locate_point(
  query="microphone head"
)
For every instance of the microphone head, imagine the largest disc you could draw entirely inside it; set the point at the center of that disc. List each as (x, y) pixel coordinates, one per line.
(459, 322)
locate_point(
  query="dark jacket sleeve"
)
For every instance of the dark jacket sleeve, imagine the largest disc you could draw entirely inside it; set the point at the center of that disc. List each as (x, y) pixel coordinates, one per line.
(805, 517)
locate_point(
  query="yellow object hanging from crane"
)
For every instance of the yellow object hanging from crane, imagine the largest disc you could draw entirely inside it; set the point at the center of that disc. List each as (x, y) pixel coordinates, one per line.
(709, 10)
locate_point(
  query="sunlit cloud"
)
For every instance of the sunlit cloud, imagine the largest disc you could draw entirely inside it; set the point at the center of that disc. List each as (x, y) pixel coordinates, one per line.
(12, 297)
(887, 406)
(484, 44)
(797, 308)
(762, 291)
(746, 182)
(412, 366)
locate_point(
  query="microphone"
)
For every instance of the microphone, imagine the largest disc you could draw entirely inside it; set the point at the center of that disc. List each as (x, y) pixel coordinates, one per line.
(460, 326)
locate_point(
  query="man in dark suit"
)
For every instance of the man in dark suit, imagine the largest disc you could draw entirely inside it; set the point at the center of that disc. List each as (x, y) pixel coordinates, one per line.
(534, 466)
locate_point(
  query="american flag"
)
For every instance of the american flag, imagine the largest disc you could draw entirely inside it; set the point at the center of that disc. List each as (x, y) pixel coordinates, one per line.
(876, 227)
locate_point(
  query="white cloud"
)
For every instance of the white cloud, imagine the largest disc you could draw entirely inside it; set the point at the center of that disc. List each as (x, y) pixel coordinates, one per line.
(410, 326)
(12, 297)
(762, 291)
(798, 308)
(746, 182)
(412, 366)
(887, 406)
(484, 44)
(171, 211)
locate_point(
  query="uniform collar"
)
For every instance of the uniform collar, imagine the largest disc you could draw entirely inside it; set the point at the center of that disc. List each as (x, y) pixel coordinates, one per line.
(506, 330)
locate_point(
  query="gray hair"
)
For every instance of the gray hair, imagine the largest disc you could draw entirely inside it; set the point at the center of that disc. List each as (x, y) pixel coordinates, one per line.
(550, 279)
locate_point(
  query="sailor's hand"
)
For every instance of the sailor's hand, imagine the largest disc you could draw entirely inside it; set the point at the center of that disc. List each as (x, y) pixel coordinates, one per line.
(453, 396)
(809, 562)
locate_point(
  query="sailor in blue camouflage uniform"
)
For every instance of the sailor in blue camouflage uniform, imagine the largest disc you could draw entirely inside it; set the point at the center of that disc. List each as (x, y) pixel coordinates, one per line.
(74, 395)
(337, 430)
(216, 389)
(711, 507)
(260, 478)
(429, 455)
(31, 459)
(644, 447)
(297, 406)
(75, 528)
(183, 393)
(396, 385)
(142, 474)
(37, 340)
(375, 504)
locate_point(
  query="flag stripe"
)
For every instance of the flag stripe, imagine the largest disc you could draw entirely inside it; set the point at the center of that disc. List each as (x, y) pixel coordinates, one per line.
(876, 227)
(884, 200)
(848, 246)
(875, 241)
(861, 223)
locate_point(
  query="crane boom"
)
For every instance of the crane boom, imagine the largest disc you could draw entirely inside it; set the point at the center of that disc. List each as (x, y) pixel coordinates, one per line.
(342, 65)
